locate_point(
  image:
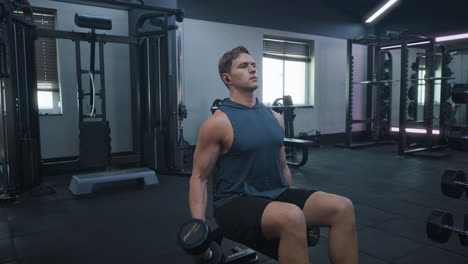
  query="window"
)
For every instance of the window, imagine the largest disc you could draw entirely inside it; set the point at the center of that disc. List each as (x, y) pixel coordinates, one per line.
(48, 88)
(286, 70)
(421, 85)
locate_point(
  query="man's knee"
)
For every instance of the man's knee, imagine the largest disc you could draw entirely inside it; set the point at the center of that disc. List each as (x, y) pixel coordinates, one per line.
(283, 219)
(344, 209)
(326, 209)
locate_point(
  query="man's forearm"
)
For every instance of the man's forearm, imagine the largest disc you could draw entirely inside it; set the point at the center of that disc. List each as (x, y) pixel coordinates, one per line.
(198, 197)
(287, 175)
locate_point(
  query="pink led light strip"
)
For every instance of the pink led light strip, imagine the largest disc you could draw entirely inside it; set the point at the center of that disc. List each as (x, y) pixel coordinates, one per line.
(437, 39)
(416, 130)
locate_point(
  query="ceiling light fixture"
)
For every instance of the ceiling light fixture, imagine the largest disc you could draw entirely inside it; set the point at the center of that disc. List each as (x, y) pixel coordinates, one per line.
(381, 10)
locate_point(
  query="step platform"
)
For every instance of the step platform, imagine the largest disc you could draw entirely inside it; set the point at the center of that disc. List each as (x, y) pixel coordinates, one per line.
(83, 184)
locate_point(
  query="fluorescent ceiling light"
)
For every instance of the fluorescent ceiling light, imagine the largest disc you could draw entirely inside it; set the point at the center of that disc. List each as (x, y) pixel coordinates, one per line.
(381, 10)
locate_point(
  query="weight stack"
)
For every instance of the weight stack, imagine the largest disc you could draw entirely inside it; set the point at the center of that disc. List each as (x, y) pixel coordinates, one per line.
(95, 147)
(458, 138)
(29, 164)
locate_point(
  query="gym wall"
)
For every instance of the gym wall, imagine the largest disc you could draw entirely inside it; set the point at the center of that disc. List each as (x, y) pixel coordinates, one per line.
(205, 42)
(59, 133)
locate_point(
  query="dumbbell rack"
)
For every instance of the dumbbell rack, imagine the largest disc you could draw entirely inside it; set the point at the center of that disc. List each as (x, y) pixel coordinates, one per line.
(439, 226)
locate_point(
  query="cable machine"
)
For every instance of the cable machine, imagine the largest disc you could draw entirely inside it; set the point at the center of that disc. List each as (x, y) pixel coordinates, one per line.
(156, 92)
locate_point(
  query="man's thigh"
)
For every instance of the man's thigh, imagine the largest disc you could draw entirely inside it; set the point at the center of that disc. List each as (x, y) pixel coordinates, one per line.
(297, 197)
(240, 219)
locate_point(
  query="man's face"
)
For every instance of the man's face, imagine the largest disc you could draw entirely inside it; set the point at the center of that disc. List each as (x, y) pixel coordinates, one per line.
(244, 73)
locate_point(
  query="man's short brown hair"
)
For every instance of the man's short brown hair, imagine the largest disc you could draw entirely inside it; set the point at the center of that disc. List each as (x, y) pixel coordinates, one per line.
(225, 63)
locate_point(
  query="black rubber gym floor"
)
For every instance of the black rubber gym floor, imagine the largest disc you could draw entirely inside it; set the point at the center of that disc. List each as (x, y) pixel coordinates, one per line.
(123, 223)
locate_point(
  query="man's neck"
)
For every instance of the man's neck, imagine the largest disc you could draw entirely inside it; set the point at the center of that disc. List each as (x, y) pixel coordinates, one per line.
(246, 98)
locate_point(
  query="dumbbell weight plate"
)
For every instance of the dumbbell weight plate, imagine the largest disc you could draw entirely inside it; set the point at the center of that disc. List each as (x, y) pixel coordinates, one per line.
(217, 256)
(313, 236)
(412, 92)
(412, 109)
(193, 236)
(434, 227)
(448, 187)
(464, 238)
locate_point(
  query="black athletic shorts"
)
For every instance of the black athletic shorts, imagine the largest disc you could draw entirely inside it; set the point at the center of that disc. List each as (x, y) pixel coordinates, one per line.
(240, 219)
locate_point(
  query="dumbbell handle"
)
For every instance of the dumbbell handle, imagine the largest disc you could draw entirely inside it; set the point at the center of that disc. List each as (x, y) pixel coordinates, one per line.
(457, 230)
(461, 183)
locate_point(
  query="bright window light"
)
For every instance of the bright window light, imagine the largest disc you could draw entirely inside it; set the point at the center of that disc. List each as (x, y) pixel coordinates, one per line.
(381, 10)
(45, 100)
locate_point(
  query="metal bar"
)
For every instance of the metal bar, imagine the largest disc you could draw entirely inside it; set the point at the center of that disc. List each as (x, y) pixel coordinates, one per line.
(443, 121)
(403, 91)
(103, 83)
(170, 11)
(79, 83)
(92, 62)
(152, 33)
(391, 81)
(88, 94)
(388, 121)
(410, 151)
(429, 91)
(58, 34)
(289, 106)
(148, 86)
(367, 121)
(376, 95)
(87, 71)
(349, 92)
(369, 88)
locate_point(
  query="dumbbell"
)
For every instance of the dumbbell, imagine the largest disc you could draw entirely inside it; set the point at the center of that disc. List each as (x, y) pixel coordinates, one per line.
(195, 237)
(439, 227)
(313, 236)
(454, 184)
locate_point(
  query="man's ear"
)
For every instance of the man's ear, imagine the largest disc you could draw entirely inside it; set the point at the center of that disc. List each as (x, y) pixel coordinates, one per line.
(226, 78)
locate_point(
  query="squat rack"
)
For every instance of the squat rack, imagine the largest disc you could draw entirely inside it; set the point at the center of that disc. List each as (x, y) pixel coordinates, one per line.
(378, 98)
(378, 107)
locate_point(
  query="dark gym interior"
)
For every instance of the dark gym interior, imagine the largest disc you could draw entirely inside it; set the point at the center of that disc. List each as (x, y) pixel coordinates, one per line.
(102, 102)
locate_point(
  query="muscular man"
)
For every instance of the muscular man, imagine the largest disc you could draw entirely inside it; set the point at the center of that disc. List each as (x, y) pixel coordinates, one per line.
(253, 195)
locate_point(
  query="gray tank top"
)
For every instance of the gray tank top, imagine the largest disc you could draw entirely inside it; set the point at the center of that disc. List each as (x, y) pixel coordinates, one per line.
(252, 165)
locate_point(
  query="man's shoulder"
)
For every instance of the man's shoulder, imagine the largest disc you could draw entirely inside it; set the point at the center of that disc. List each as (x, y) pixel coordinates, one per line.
(218, 122)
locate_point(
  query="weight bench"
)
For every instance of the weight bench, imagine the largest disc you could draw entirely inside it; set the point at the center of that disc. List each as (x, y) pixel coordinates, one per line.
(83, 183)
(303, 144)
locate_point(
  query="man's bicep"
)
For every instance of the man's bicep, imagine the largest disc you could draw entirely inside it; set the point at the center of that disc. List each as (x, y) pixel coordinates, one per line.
(283, 160)
(279, 118)
(207, 150)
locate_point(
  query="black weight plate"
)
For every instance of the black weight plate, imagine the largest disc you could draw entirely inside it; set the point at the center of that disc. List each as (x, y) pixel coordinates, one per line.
(193, 236)
(435, 229)
(217, 256)
(447, 185)
(464, 238)
(412, 92)
(412, 109)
